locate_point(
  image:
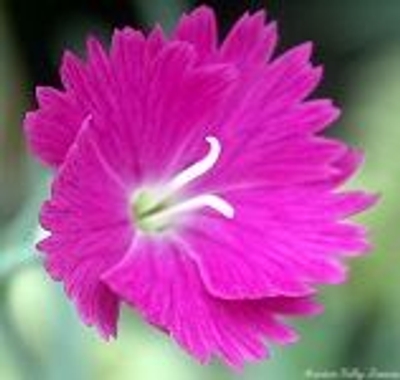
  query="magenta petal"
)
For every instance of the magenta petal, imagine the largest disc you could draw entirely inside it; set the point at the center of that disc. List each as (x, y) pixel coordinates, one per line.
(171, 101)
(250, 42)
(200, 29)
(87, 81)
(287, 162)
(90, 231)
(183, 100)
(291, 76)
(160, 281)
(80, 272)
(268, 98)
(293, 306)
(53, 127)
(347, 165)
(270, 126)
(279, 242)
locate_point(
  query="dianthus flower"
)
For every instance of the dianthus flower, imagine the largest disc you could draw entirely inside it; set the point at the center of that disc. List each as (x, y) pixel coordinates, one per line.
(192, 183)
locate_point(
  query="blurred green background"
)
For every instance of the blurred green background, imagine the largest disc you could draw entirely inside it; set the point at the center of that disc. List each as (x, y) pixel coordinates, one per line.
(41, 337)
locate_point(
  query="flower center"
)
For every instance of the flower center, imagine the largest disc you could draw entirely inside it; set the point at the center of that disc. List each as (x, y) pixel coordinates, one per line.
(158, 208)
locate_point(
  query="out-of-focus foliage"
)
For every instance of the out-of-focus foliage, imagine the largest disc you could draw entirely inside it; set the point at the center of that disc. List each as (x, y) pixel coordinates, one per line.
(162, 12)
(12, 96)
(40, 335)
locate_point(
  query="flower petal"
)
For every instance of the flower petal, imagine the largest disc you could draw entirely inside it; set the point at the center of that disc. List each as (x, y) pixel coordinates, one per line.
(346, 166)
(89, 88)
(252, 119)
(250, 42)
(79, 260)
(159, 280)
(179, 108)
(280, 242)
(52, 128)
(299, 160)
(200, 29)
(291, 77)
(268, 127)
(87, 217)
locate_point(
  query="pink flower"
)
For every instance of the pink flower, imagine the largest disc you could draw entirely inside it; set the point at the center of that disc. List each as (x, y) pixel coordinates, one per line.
(193, 185)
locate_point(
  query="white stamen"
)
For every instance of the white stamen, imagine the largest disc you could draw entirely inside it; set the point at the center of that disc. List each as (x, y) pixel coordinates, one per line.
(197, 169)
(157, 209)
(206, 200)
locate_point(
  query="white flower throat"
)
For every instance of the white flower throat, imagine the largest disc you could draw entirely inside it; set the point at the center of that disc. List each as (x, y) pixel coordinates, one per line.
(156, 209)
